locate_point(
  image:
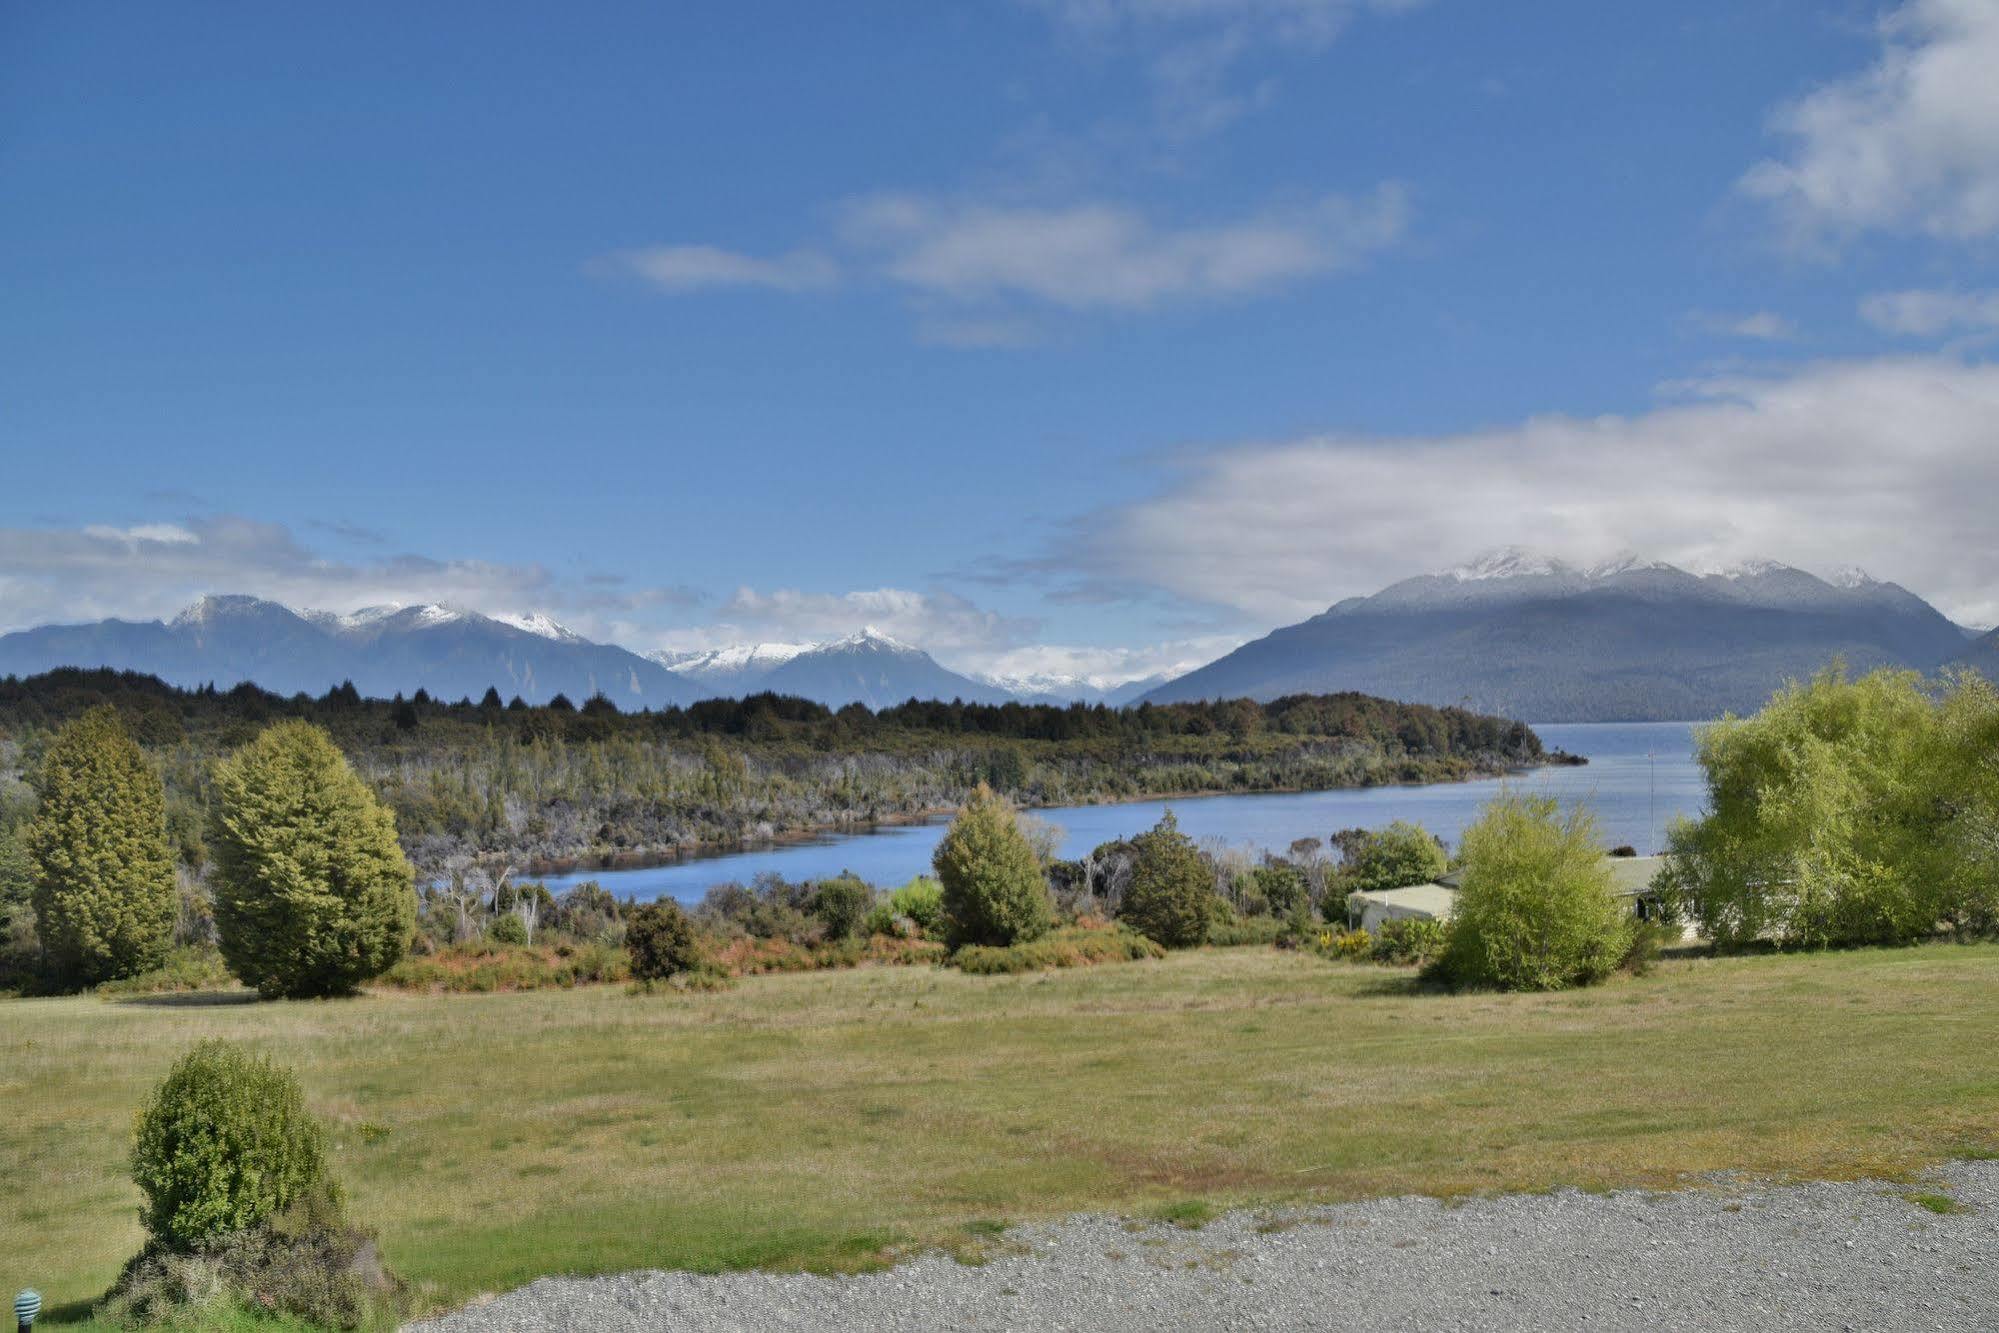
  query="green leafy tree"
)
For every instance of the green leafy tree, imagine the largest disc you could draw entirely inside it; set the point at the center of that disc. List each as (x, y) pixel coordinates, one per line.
(994, 889)
(1536, 908)
(1282, 886)
(842, 904)
(1392, 858)
(1846, 812)
(662, 941)
(223, 1144)
(1171, 897)
(104, 891)
(312, 896)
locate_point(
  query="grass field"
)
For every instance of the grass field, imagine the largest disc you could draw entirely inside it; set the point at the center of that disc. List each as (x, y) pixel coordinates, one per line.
(834, 1119)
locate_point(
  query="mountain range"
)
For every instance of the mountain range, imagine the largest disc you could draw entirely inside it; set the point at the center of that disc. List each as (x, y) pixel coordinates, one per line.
(1530, 636)
(453, 654)
(1512, 632)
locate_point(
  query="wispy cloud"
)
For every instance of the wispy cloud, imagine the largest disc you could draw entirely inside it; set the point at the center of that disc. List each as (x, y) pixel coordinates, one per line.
(1760, 325)
(1887, 463)
(693, 268)
(1907, 145)
(1104, 257)
(1926, 314)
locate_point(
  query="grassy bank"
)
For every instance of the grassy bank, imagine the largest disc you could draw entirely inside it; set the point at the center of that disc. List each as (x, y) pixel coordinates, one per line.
(830, 1119)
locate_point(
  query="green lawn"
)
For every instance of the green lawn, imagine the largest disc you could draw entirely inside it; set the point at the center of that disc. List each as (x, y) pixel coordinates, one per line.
(832, 1119)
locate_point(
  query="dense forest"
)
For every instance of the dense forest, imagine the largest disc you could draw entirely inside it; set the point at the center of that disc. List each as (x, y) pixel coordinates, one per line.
(561, 782)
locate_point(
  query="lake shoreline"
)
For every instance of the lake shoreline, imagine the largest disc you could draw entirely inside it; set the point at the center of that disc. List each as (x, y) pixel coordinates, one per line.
(817, 834)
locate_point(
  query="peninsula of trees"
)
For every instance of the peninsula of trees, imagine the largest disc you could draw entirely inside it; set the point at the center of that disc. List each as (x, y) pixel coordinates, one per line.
(562, 782)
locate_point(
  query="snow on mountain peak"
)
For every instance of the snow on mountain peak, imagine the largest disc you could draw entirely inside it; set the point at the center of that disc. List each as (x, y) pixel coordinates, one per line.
(1850, 576)
(870, 637)
(540, 626)
(1507, 562)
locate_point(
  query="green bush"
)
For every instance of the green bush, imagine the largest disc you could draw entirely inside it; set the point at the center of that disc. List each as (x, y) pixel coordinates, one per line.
(1172, 888)
(994, 892)
(223, 1144)
(1535, 908)
(1247, 930)
(188, 968)
(483, 967)
(922, 901)
(842, 904)
(1392, 858)
(507, 928)
(312, 894)
(1072, 946)
(1409, 939)
(1282, 887)
(1846, 812)
(661, 941)
(103, 870)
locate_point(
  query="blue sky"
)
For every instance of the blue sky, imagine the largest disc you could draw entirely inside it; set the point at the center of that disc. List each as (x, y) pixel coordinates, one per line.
(1053, 334)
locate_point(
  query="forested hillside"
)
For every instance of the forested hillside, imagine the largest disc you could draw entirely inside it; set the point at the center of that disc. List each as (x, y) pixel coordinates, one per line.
(560, 782)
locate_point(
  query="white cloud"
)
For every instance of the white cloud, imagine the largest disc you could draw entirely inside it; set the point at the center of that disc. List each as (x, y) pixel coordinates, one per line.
(152, 570)
(1928, 313)
(1103, 257)
(1889, 464)
(1909, 145)
(1762, 325)
(690, 268)
(1106, 668)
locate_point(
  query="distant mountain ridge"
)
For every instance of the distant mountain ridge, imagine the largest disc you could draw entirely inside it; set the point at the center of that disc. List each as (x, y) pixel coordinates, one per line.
(1530, 636)
(384, 651)
(868, 667)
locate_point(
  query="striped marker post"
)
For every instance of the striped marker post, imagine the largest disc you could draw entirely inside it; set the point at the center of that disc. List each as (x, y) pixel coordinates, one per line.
(27, 1308)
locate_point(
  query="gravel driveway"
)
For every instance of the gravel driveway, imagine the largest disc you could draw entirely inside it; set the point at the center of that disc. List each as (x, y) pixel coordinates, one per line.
(1818, 1256)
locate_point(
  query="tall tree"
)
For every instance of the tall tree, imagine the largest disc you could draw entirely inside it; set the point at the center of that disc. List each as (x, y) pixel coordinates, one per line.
(313, 896)
(104, 890)
(1172, 887)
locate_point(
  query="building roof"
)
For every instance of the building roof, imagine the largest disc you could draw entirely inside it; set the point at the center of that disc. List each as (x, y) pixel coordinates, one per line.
(1633, 875)
(1433, 899)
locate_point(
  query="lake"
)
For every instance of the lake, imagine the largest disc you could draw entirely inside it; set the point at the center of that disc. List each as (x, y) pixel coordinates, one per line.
(1640, 776)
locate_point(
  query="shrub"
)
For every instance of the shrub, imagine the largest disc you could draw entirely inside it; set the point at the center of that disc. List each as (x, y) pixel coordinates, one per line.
(993, 890)
(1073, 946)
(483, 967)
(1409, 939)
(305, 1263)
(661, 941)
(841, 905)
(1171, 887)
(922, 901)
(188, 968)
(223, 1144)
(1392, 858)
(1535, 910)
(507, 928)
(1353, 944)
(313, 896)
(103, 871)
(1846, 812)
(1282, 887)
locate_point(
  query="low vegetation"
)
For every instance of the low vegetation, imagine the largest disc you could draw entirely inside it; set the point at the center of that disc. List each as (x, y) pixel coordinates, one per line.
(836, 1119)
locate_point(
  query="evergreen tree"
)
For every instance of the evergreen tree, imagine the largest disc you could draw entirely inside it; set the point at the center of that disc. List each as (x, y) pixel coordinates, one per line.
(994, 891)
(1172, 887)
(104, 890)
(313, 896)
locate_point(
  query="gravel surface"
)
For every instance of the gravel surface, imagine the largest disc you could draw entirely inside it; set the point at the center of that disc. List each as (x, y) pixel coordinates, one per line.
(1858, 1255)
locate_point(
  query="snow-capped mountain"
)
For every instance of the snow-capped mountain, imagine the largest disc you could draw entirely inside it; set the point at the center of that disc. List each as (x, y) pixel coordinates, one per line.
(383, 650)
(1532, 636)
(1062, 688)
(867, 667)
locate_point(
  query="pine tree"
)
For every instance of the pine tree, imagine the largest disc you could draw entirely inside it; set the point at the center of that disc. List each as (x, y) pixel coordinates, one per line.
(104, 890)
(994, 888)
(313, 896)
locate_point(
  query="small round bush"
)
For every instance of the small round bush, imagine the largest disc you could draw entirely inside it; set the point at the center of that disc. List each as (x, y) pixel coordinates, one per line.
(994, 891)
(1536, 908)
(1172, 894)
(922, 901)
(842, 905)
(662, 941)
(507, 928)
(223, 1144)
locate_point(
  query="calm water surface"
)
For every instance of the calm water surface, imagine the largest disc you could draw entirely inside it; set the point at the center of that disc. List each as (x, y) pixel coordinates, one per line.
(1639, 777)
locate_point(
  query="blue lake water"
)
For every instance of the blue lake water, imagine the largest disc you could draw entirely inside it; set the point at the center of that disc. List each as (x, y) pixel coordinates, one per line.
(1640, 777)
